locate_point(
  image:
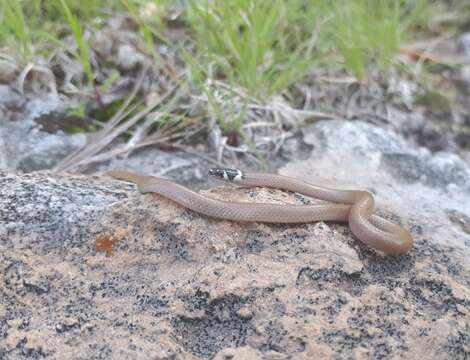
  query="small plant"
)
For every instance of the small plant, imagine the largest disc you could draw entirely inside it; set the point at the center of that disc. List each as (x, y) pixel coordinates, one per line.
(13, 28)
(84, 51)
(149, 15)
(264, 46)
(247, 43)
(368, 31)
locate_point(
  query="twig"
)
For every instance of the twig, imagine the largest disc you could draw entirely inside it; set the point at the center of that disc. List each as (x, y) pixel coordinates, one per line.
(40, 69)
(96, 141)
(112, 130)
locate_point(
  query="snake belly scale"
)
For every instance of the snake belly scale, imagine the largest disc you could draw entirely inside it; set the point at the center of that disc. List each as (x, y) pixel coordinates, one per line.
(352, 206)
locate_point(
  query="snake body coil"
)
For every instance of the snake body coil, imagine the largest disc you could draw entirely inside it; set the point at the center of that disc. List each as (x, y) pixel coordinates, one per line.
(355, 207)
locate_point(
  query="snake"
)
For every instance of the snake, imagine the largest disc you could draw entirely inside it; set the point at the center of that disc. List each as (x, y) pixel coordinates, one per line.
(355, 207)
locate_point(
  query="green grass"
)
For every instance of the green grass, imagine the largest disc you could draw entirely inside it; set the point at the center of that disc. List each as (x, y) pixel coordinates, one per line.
(24, 22)
(84, 52)
(13, 28)
(249, 43)
(255, 47)
(149, 15)
(264, 46)
(371, 31)
(260, 46)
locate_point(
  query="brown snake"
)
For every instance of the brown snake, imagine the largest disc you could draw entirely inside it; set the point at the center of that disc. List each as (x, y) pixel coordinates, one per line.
(355, 207)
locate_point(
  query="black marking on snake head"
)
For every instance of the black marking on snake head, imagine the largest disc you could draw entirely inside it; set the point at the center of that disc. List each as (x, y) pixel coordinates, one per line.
(226, 174)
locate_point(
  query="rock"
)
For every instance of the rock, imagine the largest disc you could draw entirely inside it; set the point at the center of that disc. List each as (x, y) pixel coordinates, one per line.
(189, 169)
(8, 71)
(30, 118)
(463, 80)
(241, 353)
(294, 148)
(463, 44)
(409, 182)
(128, 58)
(206, 288)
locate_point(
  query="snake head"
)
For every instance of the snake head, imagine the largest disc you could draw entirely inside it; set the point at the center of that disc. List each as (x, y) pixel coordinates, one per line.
(226, 174)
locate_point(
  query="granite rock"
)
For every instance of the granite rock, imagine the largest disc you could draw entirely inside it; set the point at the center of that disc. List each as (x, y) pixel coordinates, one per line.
(39, 120)
(93, 269)
(188, 168)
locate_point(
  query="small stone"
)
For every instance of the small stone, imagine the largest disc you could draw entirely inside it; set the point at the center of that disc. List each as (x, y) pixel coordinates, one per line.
(8, 72)
(463, 43)
(128, 58)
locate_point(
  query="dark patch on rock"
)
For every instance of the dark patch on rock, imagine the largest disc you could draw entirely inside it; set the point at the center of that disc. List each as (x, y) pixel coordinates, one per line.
(255, 241)
(435, 174)
(333, 277)
(221, 327)
(404, 166)
(295, 148)
(3, 329)
(152, 303)
(63, 327)
(173, 243)
(370, 331)
(38, 288)
(429, 134)
(458, 346)
(55, 122)
(101, 351)
(275, 334)
(334, 307)
(23, 351)
(205, 337)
